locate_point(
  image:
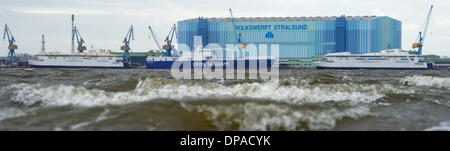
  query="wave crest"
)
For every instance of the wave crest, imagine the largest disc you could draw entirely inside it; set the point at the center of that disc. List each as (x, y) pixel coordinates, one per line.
(429, 81)
(10, 113)
(153, 88)
(262, 117)
(443, 126)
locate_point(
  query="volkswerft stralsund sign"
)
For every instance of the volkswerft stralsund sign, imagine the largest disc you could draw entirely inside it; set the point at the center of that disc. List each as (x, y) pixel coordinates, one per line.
(272, 27)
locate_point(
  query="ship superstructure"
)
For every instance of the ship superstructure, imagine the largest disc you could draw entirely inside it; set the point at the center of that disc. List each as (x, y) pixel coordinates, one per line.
(386, 59)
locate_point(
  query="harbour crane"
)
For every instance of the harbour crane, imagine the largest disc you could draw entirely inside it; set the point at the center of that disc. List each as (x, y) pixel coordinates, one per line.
(10, 61)
(238, 36)
(126, 47)
(422, 35)
(80, 40)
(168, 47)
(154, 38)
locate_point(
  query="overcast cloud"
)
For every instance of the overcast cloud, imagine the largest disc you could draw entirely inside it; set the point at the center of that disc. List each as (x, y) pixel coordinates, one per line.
(104, 23)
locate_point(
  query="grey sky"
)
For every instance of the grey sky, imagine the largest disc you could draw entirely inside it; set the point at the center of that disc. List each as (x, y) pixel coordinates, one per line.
(104, 23)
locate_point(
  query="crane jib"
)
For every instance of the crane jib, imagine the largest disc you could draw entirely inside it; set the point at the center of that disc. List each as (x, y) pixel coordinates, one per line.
(238, 37)
(11, 62)
(154, 38)
(422, 35)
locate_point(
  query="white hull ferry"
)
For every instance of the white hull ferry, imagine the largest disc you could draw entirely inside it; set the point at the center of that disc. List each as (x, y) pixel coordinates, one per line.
(387, 59)
(77, 60)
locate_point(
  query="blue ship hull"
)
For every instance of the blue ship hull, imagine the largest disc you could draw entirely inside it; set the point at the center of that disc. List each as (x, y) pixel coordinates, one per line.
(213, 64)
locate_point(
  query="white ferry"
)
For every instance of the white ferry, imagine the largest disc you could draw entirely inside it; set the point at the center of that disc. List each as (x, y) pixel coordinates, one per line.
(77, 60)
(386, 59)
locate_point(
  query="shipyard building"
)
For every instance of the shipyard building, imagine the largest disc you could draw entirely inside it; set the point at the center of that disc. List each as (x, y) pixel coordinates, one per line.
(298, 37)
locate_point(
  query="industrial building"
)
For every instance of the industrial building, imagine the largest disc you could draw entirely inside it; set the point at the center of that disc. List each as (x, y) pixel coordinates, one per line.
(298, 37)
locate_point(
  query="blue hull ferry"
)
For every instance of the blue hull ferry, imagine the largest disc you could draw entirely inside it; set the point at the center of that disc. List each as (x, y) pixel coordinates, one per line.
(175, 62)
(205, 58)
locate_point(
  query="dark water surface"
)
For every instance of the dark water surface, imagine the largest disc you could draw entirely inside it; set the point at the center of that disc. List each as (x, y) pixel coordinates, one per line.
(102, 99)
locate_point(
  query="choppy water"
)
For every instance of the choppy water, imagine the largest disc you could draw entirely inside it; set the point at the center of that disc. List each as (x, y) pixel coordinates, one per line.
(101, 99)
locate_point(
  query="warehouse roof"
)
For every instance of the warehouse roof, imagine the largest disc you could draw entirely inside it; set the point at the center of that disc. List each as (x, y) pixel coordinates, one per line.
(213, 19)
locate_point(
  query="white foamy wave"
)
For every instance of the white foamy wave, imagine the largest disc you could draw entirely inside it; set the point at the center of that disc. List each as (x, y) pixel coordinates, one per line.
(8, 113)
(346, 78)
(355, 93)
(426, 81)
(441, 102)
(443, 126)
(102, 116)
(60, 95)
(262, 117)
(79, 125)
(150, 88)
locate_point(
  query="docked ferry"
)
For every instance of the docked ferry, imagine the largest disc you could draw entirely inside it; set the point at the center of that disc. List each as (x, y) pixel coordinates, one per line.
(77, 60)
(206, 59)
(387, 59)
